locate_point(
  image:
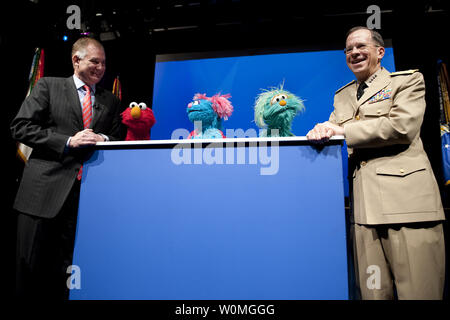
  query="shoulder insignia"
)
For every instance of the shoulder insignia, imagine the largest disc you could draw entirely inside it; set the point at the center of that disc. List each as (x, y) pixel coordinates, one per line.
(406, 72)
(345, 86)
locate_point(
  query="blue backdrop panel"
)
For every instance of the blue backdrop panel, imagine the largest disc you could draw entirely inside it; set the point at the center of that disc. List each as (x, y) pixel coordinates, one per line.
(151, 229)
(313, 76)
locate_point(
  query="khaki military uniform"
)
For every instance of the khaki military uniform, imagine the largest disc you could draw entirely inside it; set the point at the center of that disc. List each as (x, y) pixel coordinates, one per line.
(396, 205)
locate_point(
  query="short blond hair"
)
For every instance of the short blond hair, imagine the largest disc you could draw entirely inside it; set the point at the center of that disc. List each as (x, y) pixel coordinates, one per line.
(79, 47)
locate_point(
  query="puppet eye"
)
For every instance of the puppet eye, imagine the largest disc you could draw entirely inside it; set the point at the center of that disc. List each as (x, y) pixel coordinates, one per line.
(133, 104)
(142, 105)
(195, 103)
(277, 98)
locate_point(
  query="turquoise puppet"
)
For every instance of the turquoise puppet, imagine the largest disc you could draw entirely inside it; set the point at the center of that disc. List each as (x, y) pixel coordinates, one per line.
(275, 110)
(207, 113)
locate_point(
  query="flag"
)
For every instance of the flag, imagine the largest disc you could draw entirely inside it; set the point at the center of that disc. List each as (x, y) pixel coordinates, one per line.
(117, 88)
(444, 88)
(36, 72)
(445, 141)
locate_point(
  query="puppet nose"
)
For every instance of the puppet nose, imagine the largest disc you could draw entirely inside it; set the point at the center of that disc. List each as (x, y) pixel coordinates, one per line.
(136, 112)
(282, 103)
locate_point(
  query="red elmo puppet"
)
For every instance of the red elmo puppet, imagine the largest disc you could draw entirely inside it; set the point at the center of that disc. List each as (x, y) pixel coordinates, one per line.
(139, 119)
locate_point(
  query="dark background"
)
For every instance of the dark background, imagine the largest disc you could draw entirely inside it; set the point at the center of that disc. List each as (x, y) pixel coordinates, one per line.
(142, 29)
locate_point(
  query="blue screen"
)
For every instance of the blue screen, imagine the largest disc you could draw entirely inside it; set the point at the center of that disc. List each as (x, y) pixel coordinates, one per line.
(313, 76)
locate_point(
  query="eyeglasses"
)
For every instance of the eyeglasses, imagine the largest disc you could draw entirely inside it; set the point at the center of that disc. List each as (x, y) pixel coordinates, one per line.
(361, 47)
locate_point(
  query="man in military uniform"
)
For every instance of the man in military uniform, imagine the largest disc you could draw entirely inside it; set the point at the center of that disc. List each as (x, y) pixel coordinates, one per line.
(397, 211)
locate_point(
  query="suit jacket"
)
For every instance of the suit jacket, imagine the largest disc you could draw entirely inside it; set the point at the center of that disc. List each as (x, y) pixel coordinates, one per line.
(47, 118)
(393, 181)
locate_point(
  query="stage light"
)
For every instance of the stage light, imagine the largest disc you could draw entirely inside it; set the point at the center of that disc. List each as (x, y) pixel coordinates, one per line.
(65, 38)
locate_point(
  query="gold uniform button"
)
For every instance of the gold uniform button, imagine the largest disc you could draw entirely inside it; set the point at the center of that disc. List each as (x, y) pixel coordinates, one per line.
(378, 111)
(357, 117)
(402, 170)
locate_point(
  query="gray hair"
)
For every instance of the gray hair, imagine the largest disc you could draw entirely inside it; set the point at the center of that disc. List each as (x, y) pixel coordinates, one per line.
(79, 47)
(376, 36)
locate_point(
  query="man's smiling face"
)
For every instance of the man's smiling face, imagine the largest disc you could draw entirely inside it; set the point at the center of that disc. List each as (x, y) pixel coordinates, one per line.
(363, 55)
(91, 68)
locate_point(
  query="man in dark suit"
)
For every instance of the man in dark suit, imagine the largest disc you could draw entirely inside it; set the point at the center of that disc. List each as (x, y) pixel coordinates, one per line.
(60, 120)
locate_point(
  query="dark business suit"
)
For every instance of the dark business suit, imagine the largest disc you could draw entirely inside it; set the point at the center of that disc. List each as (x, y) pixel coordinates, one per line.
(47, 198)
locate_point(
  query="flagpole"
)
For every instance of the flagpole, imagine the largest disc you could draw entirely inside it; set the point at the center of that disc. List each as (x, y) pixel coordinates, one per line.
(36, 72)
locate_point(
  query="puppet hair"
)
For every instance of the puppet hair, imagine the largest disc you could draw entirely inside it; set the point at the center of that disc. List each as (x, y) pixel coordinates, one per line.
(199, 96)
(263, 100)
(220, 104)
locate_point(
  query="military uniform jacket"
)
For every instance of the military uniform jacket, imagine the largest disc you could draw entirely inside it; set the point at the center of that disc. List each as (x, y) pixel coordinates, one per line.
(47, 118)
(392, 178)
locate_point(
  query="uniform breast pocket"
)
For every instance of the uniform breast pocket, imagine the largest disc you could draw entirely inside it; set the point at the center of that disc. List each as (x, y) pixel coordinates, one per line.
(406, 188)
(344, 117)
(377, 109)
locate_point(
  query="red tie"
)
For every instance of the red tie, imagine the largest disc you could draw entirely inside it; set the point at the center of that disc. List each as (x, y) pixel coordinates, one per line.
(87, 108)
(87, 117)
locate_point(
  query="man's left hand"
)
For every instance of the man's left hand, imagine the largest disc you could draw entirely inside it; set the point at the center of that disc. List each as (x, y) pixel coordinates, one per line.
(322, 132)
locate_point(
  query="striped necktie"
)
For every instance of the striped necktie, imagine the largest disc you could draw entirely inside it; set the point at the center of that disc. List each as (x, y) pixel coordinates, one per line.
(87, 108)
(87, 117)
